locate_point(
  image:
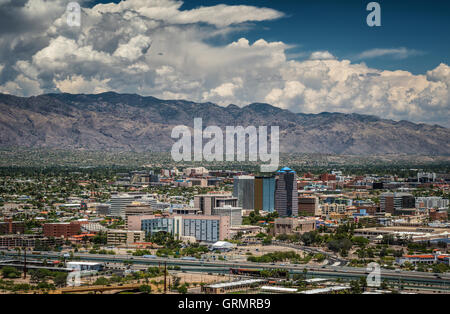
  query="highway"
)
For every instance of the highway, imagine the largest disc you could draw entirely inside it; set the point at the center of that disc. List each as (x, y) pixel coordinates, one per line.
(332, 258)
(325, 271)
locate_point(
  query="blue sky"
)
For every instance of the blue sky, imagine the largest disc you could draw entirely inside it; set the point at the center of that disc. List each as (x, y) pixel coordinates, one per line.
(420, 26)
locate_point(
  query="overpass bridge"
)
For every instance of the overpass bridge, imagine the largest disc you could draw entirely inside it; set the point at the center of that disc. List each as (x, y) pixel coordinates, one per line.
(332, 272)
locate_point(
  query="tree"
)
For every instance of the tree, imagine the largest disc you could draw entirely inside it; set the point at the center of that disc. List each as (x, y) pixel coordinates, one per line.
(60, 279)
(309, 238)
(388, 239)
(100, 238)
(182, 289)
(341, 245)
(37, 276)
(355, 287)
(260, 235)
(267, 240)
(398, 253)
(383, 252)
(10, 272)
(101, 281)
(283, 237)
(145, 289)
(319, 257)
(360, 241)
(363, 283)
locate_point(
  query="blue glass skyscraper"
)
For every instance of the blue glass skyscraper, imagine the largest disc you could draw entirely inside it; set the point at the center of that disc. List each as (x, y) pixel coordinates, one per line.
(265, 194)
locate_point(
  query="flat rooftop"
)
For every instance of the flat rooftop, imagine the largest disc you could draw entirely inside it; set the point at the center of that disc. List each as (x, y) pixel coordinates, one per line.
(235, 283)
(314, 280)
(278, 289)
(422, 229)
(84, 263)
(325, 290)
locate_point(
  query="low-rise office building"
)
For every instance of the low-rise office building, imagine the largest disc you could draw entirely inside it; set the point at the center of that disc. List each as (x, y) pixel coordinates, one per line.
(415, 234)
(308, 206)
(431, 202)
(235, 214)
(124, 237)
(438, 215)
(61, 229)
(328, 209)
(103, 209)
(225, 287)
(29, 241)
(205, 228)
(12, 227)
(436, 257)
(293, 225)
(85, 266)
(137, 209)
(393, 203)
(186, 211)
(249, 230)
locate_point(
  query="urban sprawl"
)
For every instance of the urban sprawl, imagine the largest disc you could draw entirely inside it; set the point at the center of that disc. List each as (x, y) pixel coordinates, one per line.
(198, 230)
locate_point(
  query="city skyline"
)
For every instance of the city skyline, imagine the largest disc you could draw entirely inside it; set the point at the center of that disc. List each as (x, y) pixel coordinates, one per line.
(215, 153)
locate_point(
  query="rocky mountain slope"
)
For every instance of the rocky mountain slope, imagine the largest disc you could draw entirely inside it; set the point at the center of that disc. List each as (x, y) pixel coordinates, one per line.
(111, 121)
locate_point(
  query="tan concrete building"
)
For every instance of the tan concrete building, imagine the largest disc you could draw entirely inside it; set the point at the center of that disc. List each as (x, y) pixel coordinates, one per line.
(293, 225)
(206, 202)
(328, 209)
(137, 209)
(124, 237)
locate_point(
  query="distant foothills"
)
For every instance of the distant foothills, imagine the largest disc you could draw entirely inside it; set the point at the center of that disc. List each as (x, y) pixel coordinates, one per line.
(129, 122)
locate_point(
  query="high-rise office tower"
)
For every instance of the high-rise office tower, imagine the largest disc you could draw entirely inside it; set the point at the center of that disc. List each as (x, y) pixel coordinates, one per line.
(244, 190)
(121, 200)
(118, 204)
(286, 195)
(265, 194)
(207, 202)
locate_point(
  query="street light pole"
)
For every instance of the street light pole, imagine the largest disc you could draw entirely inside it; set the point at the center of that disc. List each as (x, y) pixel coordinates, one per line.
(165, 277)
(25, 263)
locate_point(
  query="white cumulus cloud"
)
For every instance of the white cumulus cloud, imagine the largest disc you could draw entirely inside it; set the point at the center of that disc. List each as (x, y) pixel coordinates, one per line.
(157, 48)
(398, 53)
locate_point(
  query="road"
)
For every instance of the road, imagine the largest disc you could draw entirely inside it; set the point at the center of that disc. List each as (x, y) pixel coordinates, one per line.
(325, 271)
(333, 259)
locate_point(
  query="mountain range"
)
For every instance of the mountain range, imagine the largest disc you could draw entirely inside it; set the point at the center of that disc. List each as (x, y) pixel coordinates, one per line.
(129, 122)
